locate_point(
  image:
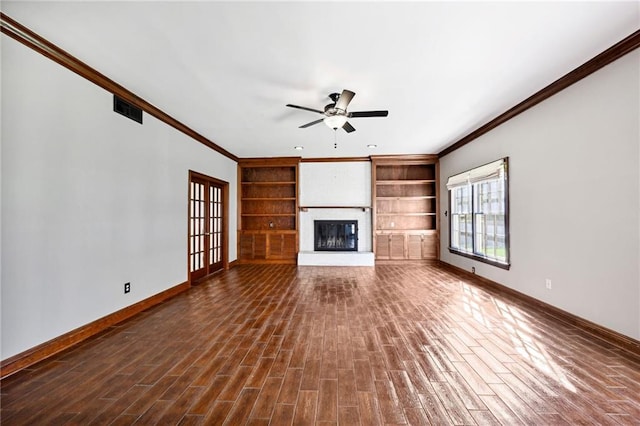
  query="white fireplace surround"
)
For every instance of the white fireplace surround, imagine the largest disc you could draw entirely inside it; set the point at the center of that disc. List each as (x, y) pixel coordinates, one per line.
(335, 191)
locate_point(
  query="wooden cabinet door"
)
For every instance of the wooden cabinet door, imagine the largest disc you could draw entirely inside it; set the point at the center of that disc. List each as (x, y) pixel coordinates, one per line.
(289, 246)
(267, 246)
(246, 246)
(253, 246)
(275, 244)
(396, 246)
(282, 246)
(390, 246)
(382, 246)
(422, 246)
(259, 246)
(430, 246)
(414, 246)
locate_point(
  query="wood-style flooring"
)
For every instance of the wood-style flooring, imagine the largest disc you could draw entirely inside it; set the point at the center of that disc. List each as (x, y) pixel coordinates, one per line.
(286, 345)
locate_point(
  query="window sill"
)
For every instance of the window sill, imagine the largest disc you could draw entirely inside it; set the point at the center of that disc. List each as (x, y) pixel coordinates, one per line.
(505, 266)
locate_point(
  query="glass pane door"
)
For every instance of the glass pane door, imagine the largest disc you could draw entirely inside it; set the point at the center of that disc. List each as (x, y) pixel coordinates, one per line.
(207, 226)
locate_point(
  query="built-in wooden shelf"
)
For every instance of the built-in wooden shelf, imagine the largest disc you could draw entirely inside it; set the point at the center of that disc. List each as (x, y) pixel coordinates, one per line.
(405, 206)
(268, 210)
(405, 182)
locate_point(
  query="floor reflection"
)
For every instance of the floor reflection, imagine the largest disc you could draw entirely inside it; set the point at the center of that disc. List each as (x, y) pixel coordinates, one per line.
(518, 329)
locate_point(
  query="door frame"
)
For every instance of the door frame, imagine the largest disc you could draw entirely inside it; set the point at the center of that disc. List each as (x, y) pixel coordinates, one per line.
(225, 223)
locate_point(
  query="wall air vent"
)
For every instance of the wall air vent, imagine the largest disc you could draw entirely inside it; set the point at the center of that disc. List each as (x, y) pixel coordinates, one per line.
(128, 110)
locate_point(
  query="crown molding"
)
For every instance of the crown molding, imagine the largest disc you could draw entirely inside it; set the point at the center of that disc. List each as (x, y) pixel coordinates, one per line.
(24, 35)
(335, 159)
(613, 53)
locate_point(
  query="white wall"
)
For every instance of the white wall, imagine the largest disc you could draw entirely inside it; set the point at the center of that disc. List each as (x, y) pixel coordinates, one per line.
(574, 164)
(335, 184)
(90, 200)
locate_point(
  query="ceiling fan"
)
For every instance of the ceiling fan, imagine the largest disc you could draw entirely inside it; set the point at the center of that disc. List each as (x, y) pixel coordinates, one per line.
(336, 115)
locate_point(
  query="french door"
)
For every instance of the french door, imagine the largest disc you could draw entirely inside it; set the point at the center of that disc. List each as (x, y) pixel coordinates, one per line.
(207, 243)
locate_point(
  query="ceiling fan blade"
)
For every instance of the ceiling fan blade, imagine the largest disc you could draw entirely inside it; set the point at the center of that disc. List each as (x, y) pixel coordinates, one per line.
(304, 126)
(348, 127)
(305, 108)
(357, 114)
(344, 99)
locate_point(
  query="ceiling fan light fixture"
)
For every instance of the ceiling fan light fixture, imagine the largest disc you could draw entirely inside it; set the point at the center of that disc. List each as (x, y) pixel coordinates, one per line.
(335, 121)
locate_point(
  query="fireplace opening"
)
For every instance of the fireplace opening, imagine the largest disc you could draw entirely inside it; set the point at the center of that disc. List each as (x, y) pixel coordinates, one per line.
(335, 235)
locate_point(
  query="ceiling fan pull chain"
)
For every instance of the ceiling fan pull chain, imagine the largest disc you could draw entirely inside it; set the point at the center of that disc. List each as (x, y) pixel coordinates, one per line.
(335, 138)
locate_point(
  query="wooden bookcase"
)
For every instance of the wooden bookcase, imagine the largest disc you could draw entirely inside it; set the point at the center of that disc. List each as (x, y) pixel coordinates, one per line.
(268, 210)
(405, 207)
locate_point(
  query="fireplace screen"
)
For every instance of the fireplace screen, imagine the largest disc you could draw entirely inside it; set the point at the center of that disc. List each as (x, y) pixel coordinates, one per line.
(335, 235)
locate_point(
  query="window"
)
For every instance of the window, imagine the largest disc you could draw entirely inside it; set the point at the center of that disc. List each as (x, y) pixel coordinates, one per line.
(479, 219)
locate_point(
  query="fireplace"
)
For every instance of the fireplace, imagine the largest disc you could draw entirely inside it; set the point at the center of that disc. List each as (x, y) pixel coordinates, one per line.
(335, 235)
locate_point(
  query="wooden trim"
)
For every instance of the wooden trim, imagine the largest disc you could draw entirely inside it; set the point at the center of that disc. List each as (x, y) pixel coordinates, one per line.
(224, 185)
(268, 261)
(34, 41)
(43, 351)
(613, 53)
(374, 209)
(269, 162)
(335, 160)
(297, 210)
(478, 258)
(405, 159)
(225, 226)
(209, 178)
(473, 255)
(233, 263)
(305, 208)
(626, 343)
(438, 211)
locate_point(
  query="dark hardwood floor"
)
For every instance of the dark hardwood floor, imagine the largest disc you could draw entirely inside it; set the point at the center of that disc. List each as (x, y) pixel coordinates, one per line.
(332, 345)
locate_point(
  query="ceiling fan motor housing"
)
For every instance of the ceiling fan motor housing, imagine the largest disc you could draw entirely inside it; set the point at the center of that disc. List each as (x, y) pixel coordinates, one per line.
(330, 109)
(336, 113)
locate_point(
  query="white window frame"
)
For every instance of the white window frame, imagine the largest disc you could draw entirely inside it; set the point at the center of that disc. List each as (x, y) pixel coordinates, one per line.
(465, 212)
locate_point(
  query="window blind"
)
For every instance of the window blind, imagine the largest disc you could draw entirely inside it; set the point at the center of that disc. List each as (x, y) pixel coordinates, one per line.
(488, 171)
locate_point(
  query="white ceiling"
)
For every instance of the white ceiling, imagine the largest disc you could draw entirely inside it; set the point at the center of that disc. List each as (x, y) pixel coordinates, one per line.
(227, 69)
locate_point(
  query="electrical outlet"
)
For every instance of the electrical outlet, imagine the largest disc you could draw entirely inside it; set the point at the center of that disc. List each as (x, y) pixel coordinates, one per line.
(127, 288)
(547, 283)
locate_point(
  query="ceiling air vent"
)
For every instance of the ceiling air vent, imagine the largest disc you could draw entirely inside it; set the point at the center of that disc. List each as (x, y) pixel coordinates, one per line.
(125, 108)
